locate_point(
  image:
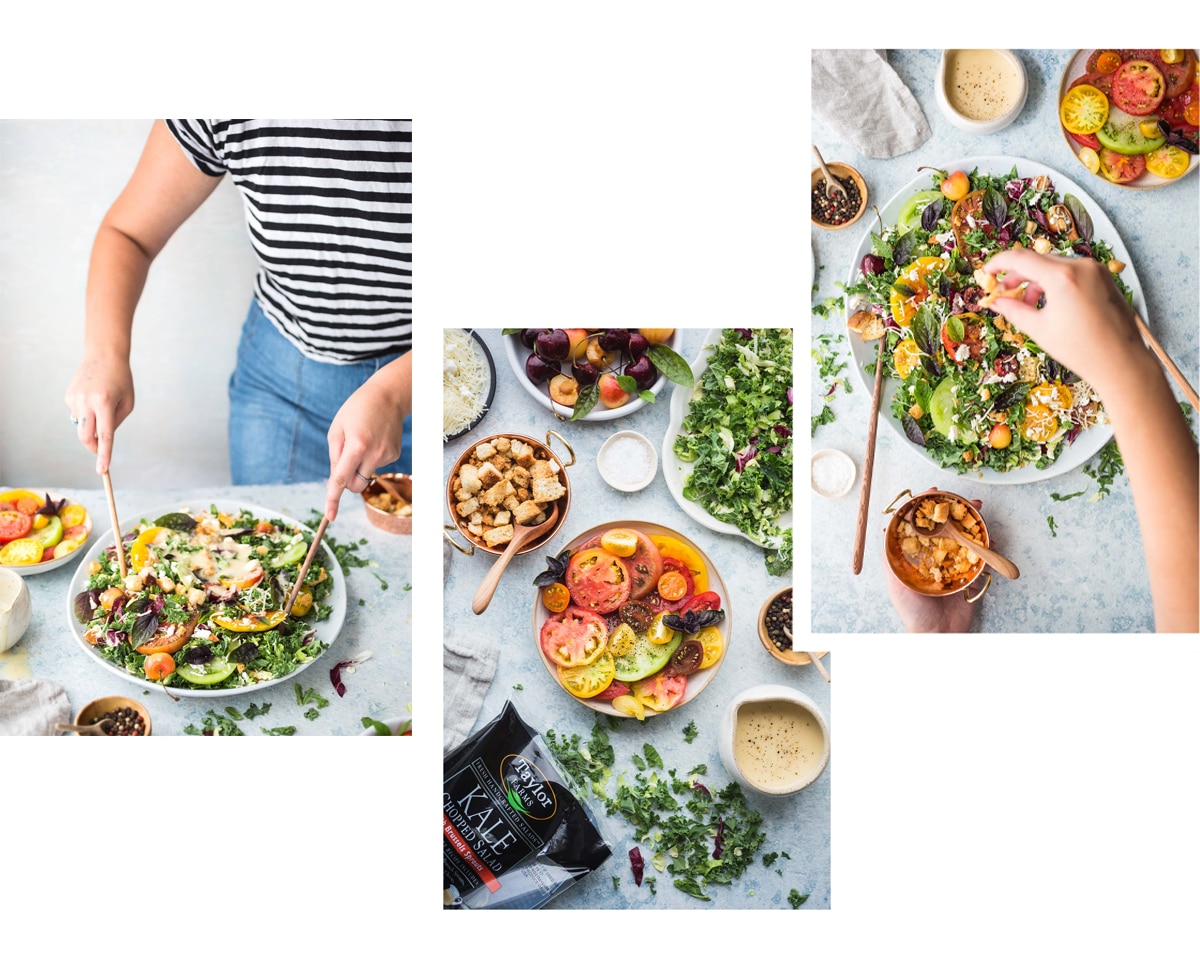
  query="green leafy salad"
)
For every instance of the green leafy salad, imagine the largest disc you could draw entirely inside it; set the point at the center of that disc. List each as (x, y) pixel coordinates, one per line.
(201, 604)
(974, 391)
(737, 434)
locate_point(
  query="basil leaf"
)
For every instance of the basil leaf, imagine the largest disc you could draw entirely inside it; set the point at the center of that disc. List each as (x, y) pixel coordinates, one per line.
(144, 626)
(995, 207)
(1083, 222)
(931, 215)
(911, 430)
(380, 728)
(903, 289)
(1012, 394)
(671, 365)
(511, 330)
(588, 395)
(177, 522)
(954, 327)
(903, 248)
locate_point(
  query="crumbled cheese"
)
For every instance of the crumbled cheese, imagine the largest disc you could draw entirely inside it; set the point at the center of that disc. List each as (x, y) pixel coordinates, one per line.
(464, 382)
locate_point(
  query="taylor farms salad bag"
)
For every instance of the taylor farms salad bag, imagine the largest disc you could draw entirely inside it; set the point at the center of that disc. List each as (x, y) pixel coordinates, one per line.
(514, 832)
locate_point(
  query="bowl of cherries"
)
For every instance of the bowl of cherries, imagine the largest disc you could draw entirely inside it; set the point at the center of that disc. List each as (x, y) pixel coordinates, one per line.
(595, 374)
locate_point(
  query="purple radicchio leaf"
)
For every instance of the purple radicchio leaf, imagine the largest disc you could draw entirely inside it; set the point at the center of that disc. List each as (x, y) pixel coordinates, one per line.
(719, 841)
(335, 673)
(744, 458)
(744, 332)
(789, 396)
(783, 431)
(700, 787)
(1014, 188)
(637, 864)
(112, 638)
(86, 603)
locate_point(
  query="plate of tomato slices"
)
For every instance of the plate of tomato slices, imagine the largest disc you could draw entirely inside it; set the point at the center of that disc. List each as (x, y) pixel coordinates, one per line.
(1132, 117)
(632, 619)
(40, 530)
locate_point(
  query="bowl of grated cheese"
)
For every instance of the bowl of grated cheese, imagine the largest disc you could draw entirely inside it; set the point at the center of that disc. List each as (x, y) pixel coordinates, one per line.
(627, 461)
(468, 381)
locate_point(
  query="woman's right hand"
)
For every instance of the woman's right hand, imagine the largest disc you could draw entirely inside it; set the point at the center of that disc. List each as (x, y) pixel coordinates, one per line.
(1085, 322)
(100, 397)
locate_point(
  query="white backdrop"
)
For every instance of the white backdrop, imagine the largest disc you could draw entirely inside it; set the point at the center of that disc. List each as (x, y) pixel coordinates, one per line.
(57, 179)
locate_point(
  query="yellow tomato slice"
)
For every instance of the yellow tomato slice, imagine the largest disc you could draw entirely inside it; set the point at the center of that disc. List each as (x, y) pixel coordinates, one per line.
(250, 622)
(1090, 159)
(906, 357)
(714, 646)
(73, 515)
(621, 640)
(139, 550)
(1084, 109)
(628, 704)
(1055, 396)
(1168, 161)
(915, 277)
(22, 552)
(620, 541)
(1041, 423)
(1171, 56)
(659, 632)
(674, 548)
(588, 680)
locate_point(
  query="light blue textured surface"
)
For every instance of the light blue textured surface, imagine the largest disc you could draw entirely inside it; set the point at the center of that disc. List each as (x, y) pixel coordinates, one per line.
(799, 825)
(1091, 578)
(379, 688)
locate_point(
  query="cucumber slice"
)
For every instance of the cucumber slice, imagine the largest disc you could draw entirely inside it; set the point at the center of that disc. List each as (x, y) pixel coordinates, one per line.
(941, 407)
(645, 657)
(1122, 133)
(214, 672)
(910, 213)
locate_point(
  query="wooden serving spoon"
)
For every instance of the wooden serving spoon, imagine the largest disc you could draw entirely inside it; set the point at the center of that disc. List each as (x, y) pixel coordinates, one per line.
(312, 552)
(521, 535)
(998, 562)
(100, 727)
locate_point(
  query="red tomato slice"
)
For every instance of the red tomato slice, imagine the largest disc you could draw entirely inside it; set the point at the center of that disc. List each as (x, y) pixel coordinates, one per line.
(1101, 81)
(48, 554)
(1172, 110)
(1121, 168)
(645, 566)
(1138, 87)
(13, 525)
(598, 581)
(1086, 140)
(574, 637)
(659, 692)
(1179, 76)
(706, 601)
(614, 690)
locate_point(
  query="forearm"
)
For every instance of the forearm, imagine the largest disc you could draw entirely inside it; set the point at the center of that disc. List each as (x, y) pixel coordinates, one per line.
(395, 379)
(1163, 467)
(116, 277)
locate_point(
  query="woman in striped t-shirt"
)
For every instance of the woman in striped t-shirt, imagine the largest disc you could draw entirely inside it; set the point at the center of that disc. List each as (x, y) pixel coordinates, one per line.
(324, 358)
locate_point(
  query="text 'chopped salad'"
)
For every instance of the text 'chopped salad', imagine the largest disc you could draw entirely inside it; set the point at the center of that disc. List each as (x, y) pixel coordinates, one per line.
(974, 391)
(201, 606)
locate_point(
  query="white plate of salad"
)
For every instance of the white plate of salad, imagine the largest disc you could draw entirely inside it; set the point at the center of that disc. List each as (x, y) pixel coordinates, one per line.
(991, 403)
(721, 431)
(208, 621)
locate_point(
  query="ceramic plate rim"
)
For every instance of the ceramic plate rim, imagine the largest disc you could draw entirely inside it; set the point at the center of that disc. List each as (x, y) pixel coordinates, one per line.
(676, 472)
(512, 344)
(1096, 437)
(337, 601)
(541, 615)
(491, 392)
(45, 566)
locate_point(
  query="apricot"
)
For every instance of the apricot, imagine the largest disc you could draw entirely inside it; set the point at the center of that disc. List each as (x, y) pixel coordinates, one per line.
(564, 390)
(656, 335)
(611, 394)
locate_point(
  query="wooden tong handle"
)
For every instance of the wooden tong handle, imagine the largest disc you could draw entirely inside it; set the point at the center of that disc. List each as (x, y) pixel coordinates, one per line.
(1165, 359)
(112, 514)
(864, 499)
(312, 552)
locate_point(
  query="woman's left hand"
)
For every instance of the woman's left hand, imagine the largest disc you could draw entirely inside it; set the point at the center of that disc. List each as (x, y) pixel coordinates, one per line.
(368, 430)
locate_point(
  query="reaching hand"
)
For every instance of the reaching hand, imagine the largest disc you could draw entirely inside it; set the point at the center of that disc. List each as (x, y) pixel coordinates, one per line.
(100, 397)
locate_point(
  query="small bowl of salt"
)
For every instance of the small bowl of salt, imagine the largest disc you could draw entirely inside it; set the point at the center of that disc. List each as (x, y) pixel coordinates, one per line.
(627, 461)
(833, 472)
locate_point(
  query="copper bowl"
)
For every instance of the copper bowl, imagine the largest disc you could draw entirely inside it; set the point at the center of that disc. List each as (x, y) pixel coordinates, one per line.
(91, 712)
(394, 484)
(543, 452)
(909, 575)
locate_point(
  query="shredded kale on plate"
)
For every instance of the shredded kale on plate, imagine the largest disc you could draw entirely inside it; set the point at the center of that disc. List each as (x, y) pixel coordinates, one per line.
(737, 434)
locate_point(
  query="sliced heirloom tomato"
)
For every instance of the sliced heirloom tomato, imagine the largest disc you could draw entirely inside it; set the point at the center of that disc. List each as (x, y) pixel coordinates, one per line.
(207, 674)
(713, 642)
(250, 623)
(686, 660)
(645, 566)
(598, 581)
(660, 692)
(139, 550)
(588, 680)
(1121, 168)
(674, 547)
(1138, 87)
(170, 638)
(574, 637)
(707, 601)
(14, 524)
(22, 552)
(1084, 109)
(1180, 73)
(963, 330)
(614, 690)
(911, 286)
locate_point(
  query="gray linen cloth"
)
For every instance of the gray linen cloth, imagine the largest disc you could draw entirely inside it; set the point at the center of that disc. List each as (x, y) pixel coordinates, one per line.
(32, 707)
(468, 667)
(858, 95)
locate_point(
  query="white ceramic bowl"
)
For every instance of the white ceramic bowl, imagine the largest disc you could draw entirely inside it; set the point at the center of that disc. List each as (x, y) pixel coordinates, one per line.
(623, 483)
(814, 755)
(833, 472)
(15, 608)
(1006, 61)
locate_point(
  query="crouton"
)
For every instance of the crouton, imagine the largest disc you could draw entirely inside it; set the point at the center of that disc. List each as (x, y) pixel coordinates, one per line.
(498, 535)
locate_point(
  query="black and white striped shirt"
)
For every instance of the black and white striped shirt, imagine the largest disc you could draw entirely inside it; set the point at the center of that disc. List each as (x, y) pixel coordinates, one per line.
(329, 211)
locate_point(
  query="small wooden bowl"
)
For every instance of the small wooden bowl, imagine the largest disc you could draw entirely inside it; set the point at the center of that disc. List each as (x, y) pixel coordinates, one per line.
(91, 712)
(842, 171)
(392, 523)
(788, 657)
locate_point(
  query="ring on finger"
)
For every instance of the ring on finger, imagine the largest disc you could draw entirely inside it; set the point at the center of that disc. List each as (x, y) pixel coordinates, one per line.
(363, 477)
(78, 420)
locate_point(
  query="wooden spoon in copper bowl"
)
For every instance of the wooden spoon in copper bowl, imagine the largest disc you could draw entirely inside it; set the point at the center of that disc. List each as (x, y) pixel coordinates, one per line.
(521, 536)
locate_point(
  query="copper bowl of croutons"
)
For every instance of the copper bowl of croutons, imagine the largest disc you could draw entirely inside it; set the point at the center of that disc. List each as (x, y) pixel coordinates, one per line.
(935, 565)
(388, 500)
(504, 481)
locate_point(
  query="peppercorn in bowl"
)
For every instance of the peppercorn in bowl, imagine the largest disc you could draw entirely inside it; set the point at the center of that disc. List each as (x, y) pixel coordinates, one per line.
(128, 717)
(837, 213)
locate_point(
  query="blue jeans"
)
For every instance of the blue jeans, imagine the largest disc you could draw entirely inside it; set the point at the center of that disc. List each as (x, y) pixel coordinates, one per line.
(281, 405)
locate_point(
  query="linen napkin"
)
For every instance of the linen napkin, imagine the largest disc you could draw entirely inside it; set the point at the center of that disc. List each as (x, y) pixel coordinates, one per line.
(468, 667)
(858, 95)
(32, 707)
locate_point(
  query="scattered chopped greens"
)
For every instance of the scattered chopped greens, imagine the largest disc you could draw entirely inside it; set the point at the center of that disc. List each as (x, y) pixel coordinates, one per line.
(737, 434)
(830, 305)
(312, 714)
(795, 898)
(382, 582)
(518, 687)
(309, 697)
(616, 882)
(690, 732)
(1108, 467)
(279, 731)
(1067, 497)
(1053, 526)
(770, 859)
(254, 711)
(215, 725)
(234, 713)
